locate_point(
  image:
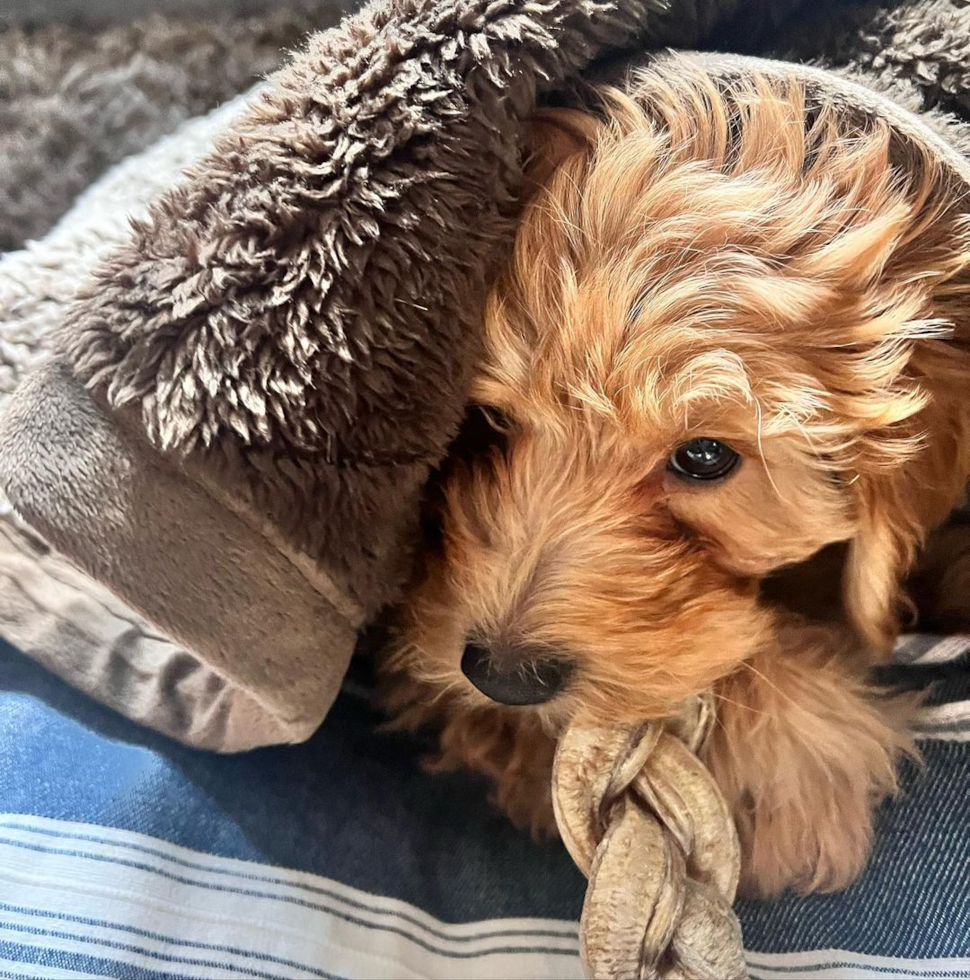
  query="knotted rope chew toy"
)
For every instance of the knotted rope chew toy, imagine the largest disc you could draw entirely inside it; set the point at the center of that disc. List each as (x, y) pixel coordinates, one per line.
(645, 822)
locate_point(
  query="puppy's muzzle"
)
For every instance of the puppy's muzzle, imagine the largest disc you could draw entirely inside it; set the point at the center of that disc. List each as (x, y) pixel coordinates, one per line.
(515, 677)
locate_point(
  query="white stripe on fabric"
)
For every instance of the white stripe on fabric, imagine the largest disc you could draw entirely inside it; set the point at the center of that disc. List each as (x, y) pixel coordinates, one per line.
(91, 891)
(147, 908)
(10, 969)
(924, 649)
(947, 722)
(70, 943)
(259, 876)
(839, 964)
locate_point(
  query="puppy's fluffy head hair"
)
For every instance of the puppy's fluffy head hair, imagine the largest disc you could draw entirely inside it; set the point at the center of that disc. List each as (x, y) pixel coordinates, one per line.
(701, 261)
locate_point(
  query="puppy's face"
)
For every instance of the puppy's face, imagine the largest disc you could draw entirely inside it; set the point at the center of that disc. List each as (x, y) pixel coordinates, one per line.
(697, 348)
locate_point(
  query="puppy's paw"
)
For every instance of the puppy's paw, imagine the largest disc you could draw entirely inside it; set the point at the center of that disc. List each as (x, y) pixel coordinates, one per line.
(814, 837)
(805, 752)
(510, 749)
(806, 820)
(526, 798)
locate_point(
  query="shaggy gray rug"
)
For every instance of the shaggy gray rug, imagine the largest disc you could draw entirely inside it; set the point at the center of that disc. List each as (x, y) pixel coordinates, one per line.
(74, 101)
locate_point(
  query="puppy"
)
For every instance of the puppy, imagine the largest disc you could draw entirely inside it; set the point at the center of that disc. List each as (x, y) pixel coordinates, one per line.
(724, 368)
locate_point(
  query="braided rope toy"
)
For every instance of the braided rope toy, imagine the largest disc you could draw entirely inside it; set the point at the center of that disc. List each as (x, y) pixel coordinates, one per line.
(645, 822)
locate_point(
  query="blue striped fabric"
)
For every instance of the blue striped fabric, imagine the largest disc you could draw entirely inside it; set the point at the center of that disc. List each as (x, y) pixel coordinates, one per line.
(125, 855)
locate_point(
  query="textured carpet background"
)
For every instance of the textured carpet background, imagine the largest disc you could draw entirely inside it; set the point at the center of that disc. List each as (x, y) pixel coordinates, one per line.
(75, 100)
(116, 11)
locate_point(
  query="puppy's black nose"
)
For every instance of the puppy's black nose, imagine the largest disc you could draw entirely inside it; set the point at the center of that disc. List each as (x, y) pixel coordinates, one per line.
(515, 677)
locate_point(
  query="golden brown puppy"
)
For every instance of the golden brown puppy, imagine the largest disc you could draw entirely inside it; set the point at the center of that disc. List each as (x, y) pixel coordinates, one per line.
(733, 332)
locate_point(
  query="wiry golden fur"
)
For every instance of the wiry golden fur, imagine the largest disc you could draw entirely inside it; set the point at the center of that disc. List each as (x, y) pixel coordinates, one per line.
(730, 263)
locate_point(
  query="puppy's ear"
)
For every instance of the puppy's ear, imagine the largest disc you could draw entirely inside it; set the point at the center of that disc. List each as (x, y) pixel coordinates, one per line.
(879, 558)
(554, 136)
(896, 510)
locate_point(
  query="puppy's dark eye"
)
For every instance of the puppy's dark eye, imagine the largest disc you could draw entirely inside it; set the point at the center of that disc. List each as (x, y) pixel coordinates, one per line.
(703, 459)
(495, 417)
(484, 428)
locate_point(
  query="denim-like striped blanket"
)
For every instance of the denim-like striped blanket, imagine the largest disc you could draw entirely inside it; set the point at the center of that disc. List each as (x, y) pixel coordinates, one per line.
(125, 855)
